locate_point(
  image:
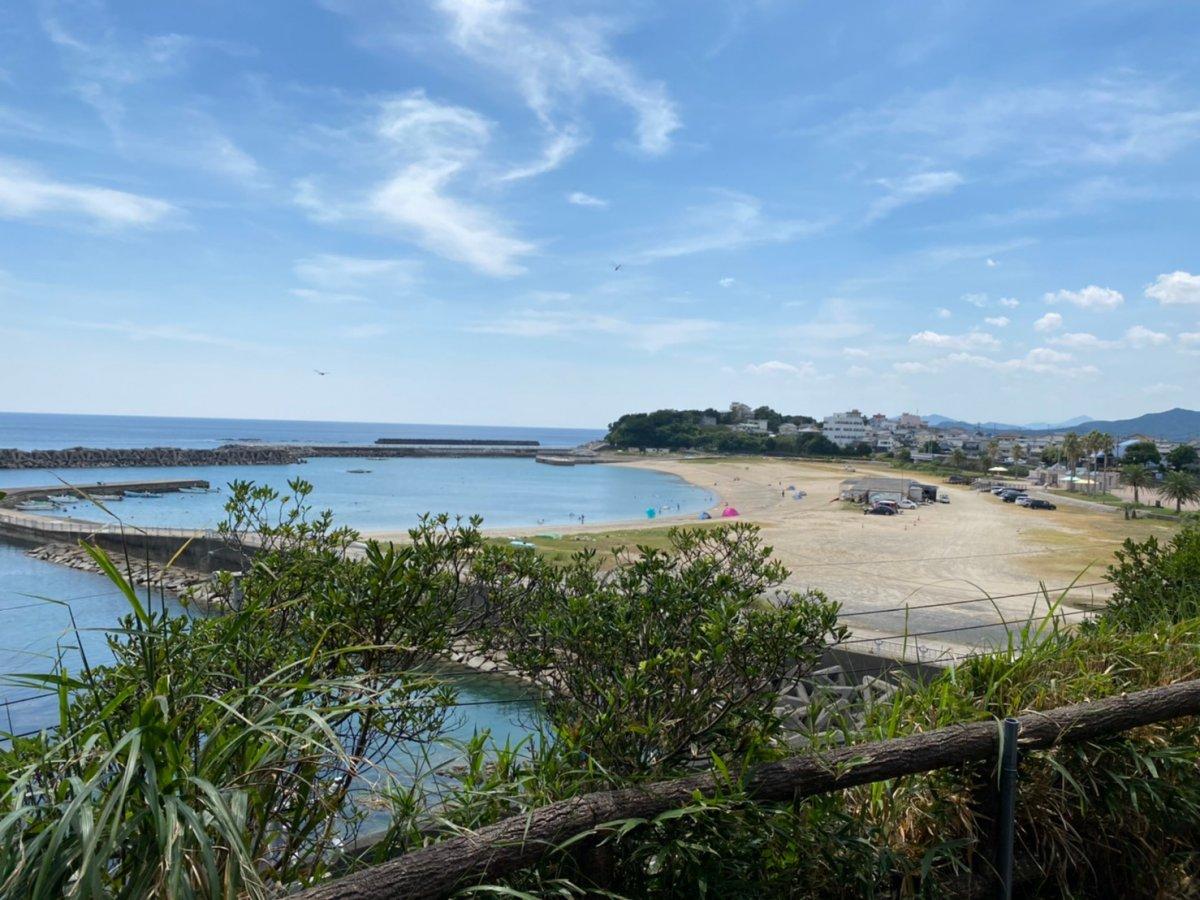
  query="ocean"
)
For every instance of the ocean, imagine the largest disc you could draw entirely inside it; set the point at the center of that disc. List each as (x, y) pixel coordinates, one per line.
(55, 431)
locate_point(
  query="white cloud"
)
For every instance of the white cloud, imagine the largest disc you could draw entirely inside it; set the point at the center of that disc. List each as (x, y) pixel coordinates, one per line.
(434, 143)
(556, 63)
(650, 334)
(335, 272)
(944, 313)
(1160, 388)
(579, 198)
(1175, 289)
(775, 367)
(991, 263)
(859, 372)
(1038, 361)
(1140, 336)
(912, 189)
(913, 368)
(1009, 302)
(997, 321)
(726, 282)
(734, 220)
(1049, 322)
(135, 331)
(1188, 338)
(1081, 340)
(972, 339)
(26, 194)
(979, 301)
(1091, 297)
(855, 352)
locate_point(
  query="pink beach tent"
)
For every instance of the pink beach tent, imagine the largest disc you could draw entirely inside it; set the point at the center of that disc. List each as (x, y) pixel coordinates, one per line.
(729, 512)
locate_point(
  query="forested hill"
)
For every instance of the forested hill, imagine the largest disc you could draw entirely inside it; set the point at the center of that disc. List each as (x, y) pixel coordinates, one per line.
(708, 429)
(1172, 425)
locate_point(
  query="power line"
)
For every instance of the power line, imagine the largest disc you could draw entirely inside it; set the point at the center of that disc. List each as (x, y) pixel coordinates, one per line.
(1040, 592)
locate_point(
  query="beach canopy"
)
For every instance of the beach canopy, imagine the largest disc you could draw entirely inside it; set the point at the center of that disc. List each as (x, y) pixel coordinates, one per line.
(997, 469)
(705, 515)
(729, 512)
(651, 512)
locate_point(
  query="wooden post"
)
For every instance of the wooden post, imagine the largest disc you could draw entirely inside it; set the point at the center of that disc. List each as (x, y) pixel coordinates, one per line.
(1008, 802)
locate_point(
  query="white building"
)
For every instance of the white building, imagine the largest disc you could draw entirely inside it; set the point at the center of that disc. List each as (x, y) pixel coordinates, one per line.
(754, 426)
(788, 428)
(845, 428)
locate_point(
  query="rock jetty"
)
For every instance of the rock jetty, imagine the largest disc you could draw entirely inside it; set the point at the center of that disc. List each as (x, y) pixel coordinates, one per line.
(188, 586)
(94, 457)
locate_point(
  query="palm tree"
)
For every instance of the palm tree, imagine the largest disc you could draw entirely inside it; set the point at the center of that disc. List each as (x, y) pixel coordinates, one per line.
(1093, 443)
(1071, 448)
(1137, 477)
(1180, 487)
(1108, 446)
(1018, 453)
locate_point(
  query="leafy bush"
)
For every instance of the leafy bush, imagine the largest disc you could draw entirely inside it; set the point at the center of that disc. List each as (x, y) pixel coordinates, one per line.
(1156, 584)
(667, 656)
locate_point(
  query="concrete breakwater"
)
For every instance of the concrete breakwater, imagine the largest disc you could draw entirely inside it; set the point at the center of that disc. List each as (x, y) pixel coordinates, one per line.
(238, 455)
(188, 585)
(131, 457)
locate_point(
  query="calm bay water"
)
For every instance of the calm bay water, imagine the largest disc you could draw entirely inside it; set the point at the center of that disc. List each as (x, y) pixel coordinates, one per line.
(384, 495)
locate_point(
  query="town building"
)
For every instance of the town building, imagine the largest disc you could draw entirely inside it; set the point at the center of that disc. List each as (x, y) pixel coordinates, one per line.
(845, 429)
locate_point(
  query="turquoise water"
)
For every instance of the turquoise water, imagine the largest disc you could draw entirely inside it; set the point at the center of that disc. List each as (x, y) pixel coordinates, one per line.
(392, 493)
(38, 598)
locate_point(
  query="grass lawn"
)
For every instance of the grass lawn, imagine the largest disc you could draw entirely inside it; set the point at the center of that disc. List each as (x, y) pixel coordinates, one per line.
(1113, 500)
(560, 547)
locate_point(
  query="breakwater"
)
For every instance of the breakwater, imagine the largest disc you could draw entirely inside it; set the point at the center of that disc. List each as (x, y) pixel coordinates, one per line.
(15, 495)
(150, 457)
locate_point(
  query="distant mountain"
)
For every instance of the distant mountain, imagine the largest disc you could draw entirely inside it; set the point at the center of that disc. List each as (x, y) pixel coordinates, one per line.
(947, 422)
(1172, 425)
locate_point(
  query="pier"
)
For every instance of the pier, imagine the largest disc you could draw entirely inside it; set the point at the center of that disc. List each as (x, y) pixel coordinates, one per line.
(15, 495)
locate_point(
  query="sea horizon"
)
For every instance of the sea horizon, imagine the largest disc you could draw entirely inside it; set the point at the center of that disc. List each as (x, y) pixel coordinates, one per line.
(56, 431)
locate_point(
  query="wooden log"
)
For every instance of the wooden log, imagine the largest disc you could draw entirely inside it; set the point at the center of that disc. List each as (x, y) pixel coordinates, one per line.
(522, 841)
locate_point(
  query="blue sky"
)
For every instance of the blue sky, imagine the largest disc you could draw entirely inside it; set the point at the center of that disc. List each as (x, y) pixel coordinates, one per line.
(981, 209)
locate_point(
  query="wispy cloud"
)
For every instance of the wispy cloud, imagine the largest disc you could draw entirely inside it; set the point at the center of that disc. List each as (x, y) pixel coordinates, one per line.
(1082, 340)
(27, 194)
(579, 198)
(646, 334)
(912, 189)
(1038, 361)
(733, 220)
(556, 62)
(435, 143)
(1141, 337)
(998, 321)
(172, 333)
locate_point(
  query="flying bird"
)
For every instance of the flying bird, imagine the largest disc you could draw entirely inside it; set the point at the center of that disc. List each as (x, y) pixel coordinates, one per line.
(319, 372)
(617, 267)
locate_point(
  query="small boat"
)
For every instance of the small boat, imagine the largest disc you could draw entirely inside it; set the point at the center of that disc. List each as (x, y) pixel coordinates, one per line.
(107, 498)
(146, 495)
(35, 505)
(358, 471)
(195, 490)
(64, 498)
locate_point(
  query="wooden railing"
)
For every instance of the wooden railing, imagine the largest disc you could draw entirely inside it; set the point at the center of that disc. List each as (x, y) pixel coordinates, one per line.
(523, 841)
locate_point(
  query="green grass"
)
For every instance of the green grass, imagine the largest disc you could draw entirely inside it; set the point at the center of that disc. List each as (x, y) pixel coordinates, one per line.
(560, 547)
(1113, 500)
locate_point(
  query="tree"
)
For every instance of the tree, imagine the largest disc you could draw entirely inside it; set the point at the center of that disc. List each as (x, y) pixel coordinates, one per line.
(957, 457)
(1142, 453)
(1181, 487)
(1137, 477)
(904, 455)
(1093, 444)
(653, 661)
(1018, 452)
(1183, 457)
(1154, 583)
(1072, 446)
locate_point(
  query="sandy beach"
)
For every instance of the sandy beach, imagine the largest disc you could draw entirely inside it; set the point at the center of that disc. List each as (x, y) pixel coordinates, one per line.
(907, 574)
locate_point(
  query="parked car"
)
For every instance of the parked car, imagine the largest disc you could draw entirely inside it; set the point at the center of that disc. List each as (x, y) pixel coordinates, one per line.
(1039, 503)
(999, 490)
(880, 510)
(943, 498)
(1024, 500)
(1012, 498)
(907, 504)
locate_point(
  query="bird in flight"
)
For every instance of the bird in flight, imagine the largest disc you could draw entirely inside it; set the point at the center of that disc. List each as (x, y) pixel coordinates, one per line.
(617, 267)
(319, 372)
